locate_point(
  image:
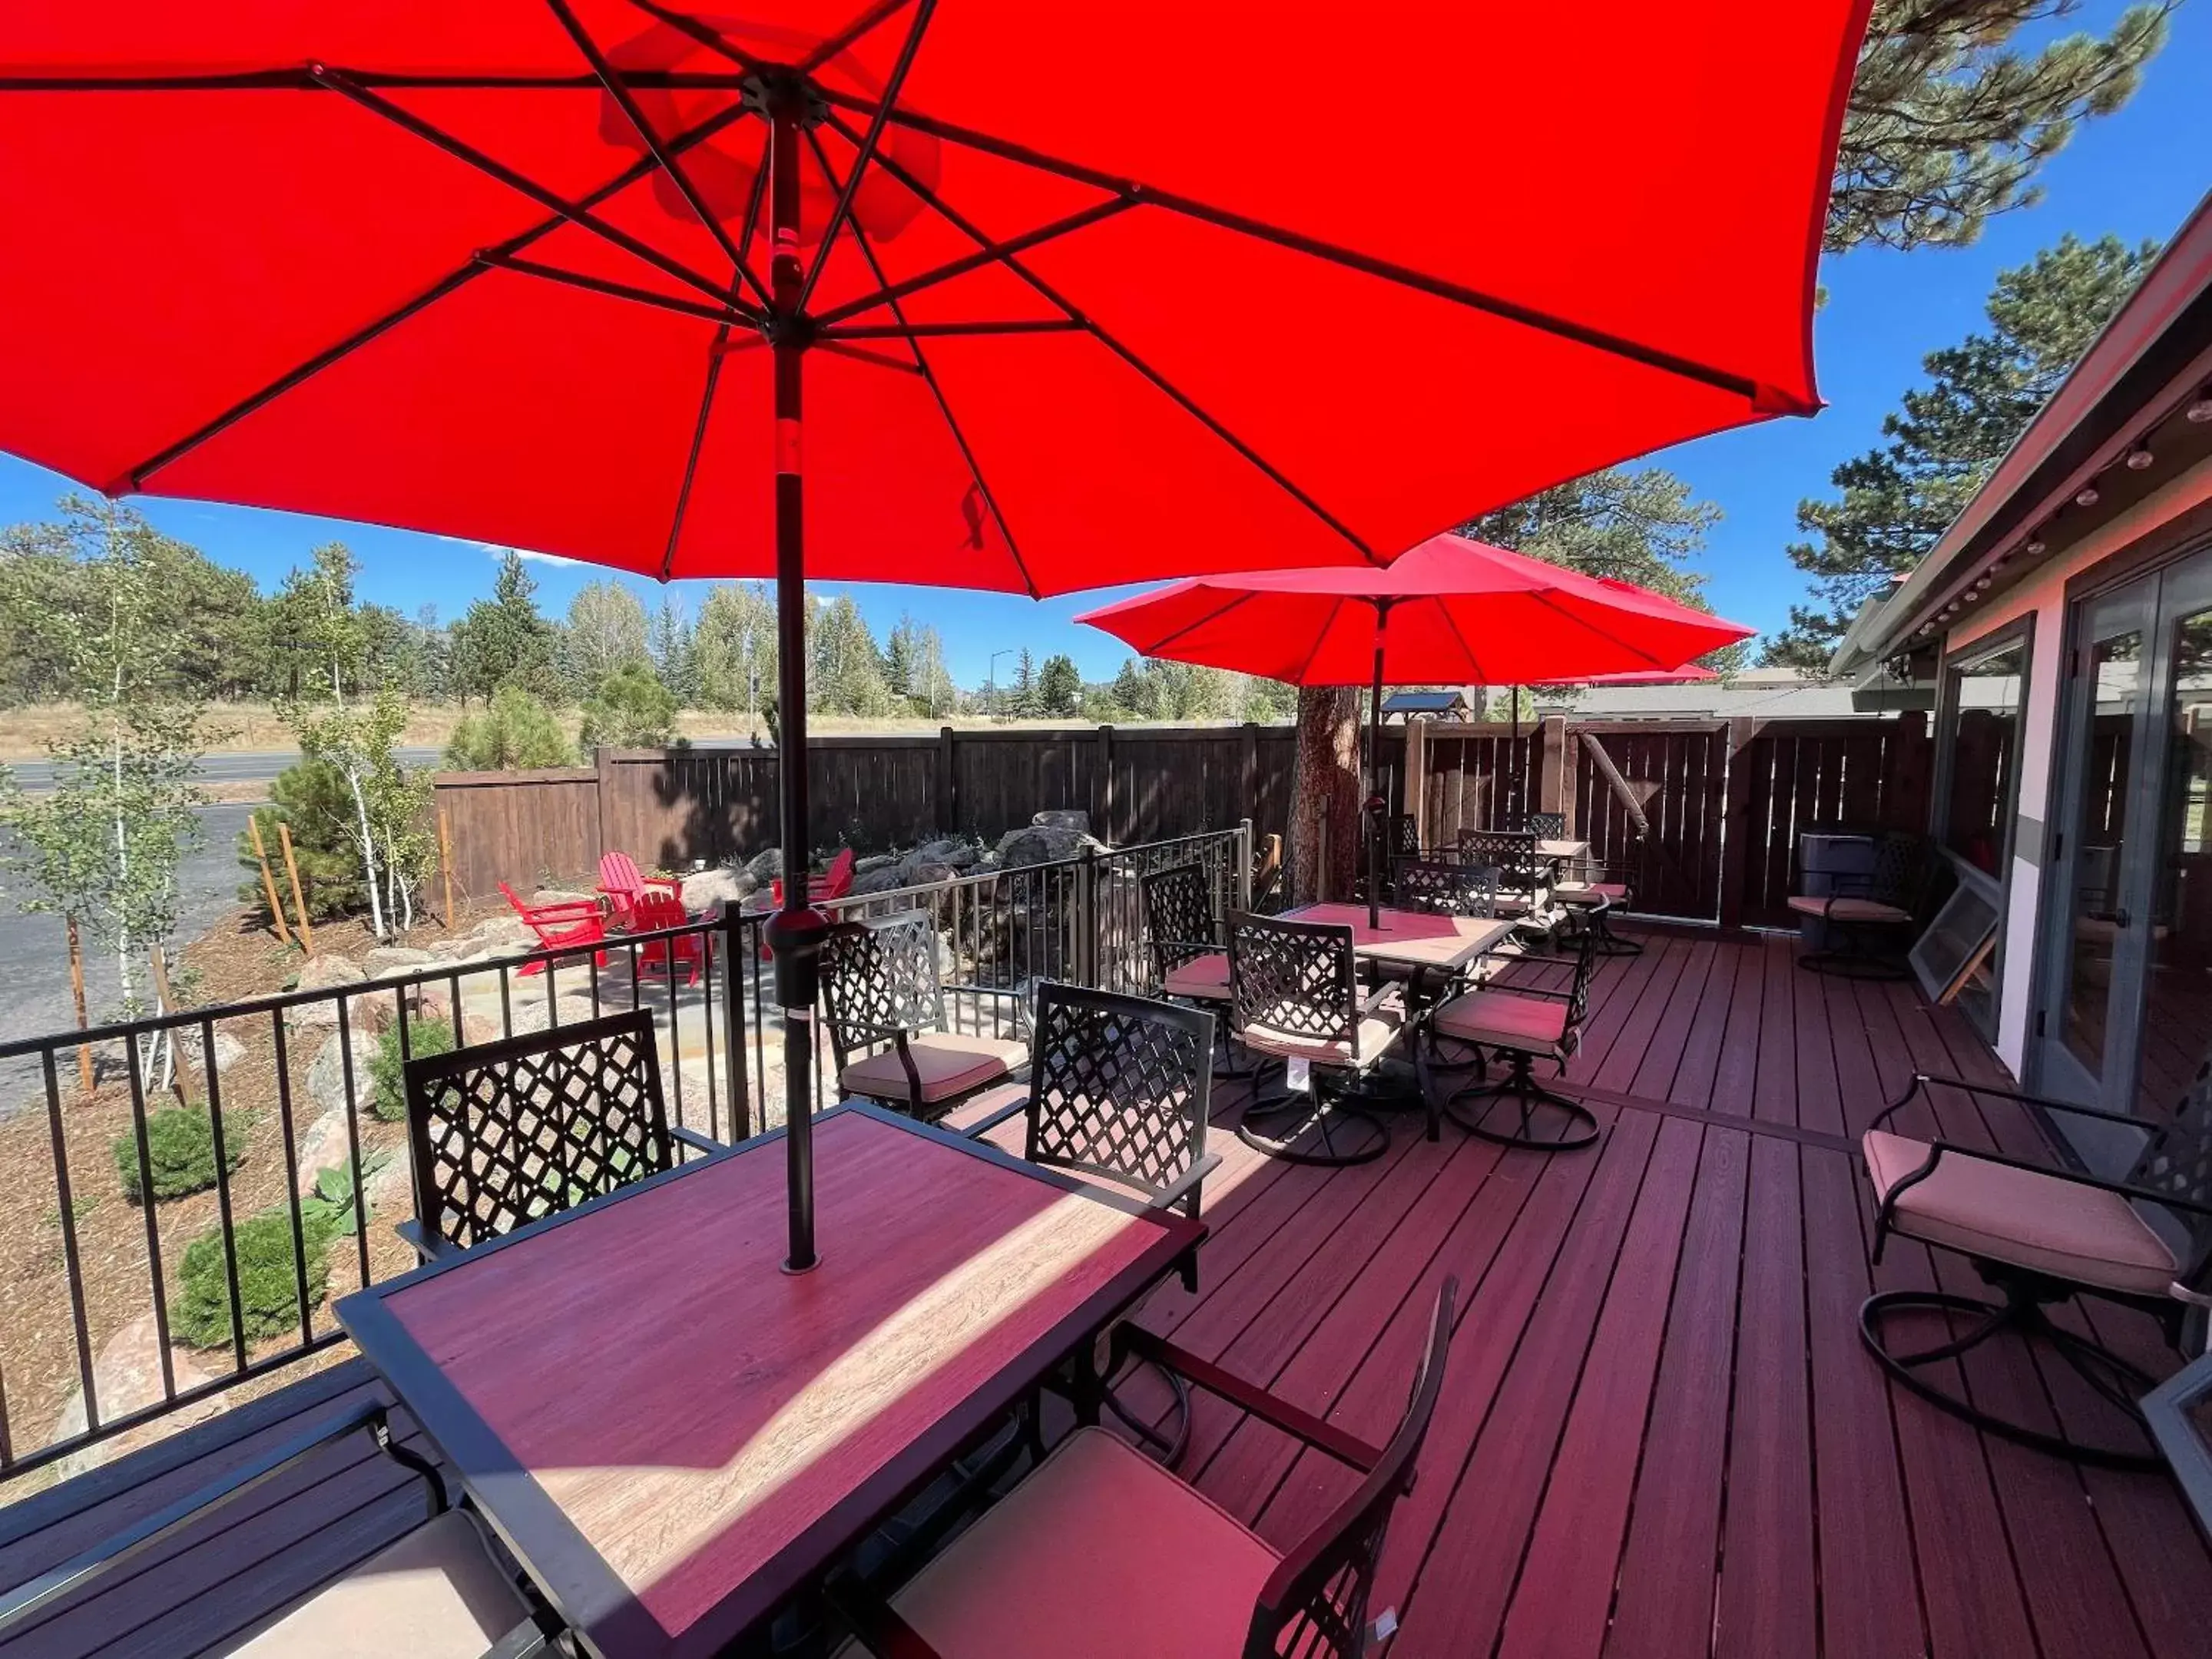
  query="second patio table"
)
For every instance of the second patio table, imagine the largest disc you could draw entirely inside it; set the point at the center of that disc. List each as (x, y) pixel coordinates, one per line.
(673, 1435)
(1413, 938)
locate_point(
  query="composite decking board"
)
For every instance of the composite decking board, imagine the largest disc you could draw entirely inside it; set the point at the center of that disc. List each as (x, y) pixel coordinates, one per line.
(1654, 1077)
(1491, 1313)
(1617, 987)
(1818, 1100)
(1505, 1399)
(1869, 1579)
(1707, 1033)
(1625, 1055)
(1774, 1088)
(1767, 1600)
(1559, 1608)
(1455, 1227)
(1736, 1076)
(1663, 1605)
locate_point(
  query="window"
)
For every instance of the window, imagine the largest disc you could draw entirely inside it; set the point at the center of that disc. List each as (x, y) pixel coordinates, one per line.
(1985, 692)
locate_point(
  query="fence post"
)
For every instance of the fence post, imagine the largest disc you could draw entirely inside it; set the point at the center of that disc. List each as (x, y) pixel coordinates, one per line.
(1106, 828)
(948, 809)
(1086, 914)
(1248, 765)
(1551, 756)
(1735, 821)
(1244, 864)
(602, 775)
(733, 1022)
(1905, 803)
(1416, 780)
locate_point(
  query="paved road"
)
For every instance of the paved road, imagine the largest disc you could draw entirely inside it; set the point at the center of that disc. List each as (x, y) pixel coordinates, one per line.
(34, 987)
(221, 768)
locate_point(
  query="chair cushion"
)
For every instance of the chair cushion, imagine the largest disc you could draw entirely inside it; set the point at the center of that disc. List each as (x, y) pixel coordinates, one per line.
(1100, 1553)
(1848, 910)
(1205, 978)
(1532, 1025)
(435, 1593)
(2041, 1222)
(1379, 1027)
(1589, 892)
(949, 1062)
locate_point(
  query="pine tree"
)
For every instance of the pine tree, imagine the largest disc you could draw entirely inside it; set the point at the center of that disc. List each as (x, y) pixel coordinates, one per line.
(1898, 499)
(674, 656)
(504, 641)
(1059, 686)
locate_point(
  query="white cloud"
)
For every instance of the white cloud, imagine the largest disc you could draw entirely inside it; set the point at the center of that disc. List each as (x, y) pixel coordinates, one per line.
(500, 550)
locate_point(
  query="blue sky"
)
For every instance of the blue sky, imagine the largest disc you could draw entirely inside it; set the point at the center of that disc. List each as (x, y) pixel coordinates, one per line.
(2138, 173)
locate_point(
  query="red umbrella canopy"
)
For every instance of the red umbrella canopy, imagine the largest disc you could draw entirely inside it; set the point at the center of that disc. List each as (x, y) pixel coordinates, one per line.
(1459, 611)
(1119, 291)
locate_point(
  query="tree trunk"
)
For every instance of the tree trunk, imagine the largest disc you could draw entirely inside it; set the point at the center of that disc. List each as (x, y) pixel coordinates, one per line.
(83, 1017)
(1325, 795)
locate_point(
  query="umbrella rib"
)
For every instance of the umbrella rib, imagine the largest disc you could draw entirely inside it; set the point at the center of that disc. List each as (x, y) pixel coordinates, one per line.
(1319, 640)
(1191, 627)
(698, 443)
(852, 32)
(925, 11)
(1583, 622)
(989, 254)
(1091, 326)
(861, 355)
(923, 331)
(135, 478)
(712, 39)
(574, 212)
(1405, 276)
(1474, 662)
(627, 102)
(644, 296)
(929, 378)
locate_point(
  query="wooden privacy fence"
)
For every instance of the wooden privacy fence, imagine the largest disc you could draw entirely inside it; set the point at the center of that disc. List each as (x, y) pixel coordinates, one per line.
(668, 807)
(1701, 818)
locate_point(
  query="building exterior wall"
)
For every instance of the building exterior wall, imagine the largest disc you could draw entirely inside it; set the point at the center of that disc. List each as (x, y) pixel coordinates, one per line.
(2043, 596)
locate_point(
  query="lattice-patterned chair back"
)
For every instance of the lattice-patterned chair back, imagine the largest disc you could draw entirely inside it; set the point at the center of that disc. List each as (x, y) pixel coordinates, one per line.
(1404, 837)
(1545, 826)
(1119, 1086)
(1178, 916)
(2176, 1161)
(880, 977)
(1445, 889)
(504, 1132)
(1578, 992)
(1513, 851)
(1904, 867)
(1314, 1604)
(1296, 978)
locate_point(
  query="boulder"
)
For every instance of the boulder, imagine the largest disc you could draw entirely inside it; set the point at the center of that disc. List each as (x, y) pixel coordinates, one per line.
(710, 889)
(326, 1084)
(322, 973)
(395, 961)
(323, 1146)
(918, 872)
(229, 1051)
(766, 867)
(504, 929)
(883, 879)
(875, 861)
(391, 1184)
(956, 851)
(1063, 818)
(1042, 844)
(561, 896)
(126, 1376)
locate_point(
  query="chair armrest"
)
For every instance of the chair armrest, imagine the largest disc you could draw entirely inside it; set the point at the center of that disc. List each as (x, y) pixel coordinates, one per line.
(1013, 1110)
(566, 911)
(1939, 1150)
(431, 1246)
(1186, 1183)
(694, 1139)
(875, 1623)
(998, 993)
(141, 1535)
(1322, 1436)
(1921, 1081)
(673, 883)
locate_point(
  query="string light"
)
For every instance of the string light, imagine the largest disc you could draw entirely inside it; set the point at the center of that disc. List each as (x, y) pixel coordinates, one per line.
(2088, 496)
(2140, 460)
(2201, 410)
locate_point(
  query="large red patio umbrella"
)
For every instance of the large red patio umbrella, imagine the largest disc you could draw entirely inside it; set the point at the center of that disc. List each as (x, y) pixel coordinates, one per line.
(1077, 294)
(1451, 610)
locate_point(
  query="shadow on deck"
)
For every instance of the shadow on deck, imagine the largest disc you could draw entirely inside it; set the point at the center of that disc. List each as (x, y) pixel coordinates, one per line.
(1658, 1435)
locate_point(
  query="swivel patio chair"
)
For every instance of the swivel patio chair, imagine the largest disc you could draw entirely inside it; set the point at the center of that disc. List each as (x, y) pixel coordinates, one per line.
(1294, 993)
(1524, 884)
(1588, 892)
(883, 999)
(1545, 826)
(1119, 1091)
(1189, 962)
(443, 1589)
(1435, 887)
(1101, 1553)
(1527, 1020)
(2039, 1235)
(1868, 918)
(502, 1134)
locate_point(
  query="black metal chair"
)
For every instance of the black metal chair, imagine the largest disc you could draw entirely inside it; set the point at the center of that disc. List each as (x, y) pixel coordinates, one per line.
(2038, 1235)
(1524, 881)
(1868, 918)
(1441, 888)
(443, 1589)
(503, 1132)
(1588, 892)
(1120, 1088)
(1522, 1022)
(883, 999)
(1294, 994)
(1100, 1538)
(1545, 826)
(1189, 962)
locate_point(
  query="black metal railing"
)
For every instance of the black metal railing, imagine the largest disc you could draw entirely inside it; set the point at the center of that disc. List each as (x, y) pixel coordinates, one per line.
(266, 1141)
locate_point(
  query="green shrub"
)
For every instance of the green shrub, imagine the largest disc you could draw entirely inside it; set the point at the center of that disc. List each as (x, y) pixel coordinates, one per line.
(630, 709)
(517, 733)
(180, 1144)
(314, 798)
(387, 1094)
(268, 1290)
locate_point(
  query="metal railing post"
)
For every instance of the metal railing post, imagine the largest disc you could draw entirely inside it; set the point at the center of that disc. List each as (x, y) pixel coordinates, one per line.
(733, 1022)
(1244, 864)
(1086, 901)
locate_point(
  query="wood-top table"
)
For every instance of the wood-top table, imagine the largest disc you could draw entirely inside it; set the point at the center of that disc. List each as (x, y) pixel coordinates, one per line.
(1559, 852)
(1412, 938)
(671, 1434)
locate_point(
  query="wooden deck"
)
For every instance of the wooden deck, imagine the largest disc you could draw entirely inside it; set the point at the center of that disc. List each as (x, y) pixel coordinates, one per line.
(1658, 1434)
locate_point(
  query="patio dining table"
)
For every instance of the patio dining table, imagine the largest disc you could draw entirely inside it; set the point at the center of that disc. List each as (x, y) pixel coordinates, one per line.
(671, 1435)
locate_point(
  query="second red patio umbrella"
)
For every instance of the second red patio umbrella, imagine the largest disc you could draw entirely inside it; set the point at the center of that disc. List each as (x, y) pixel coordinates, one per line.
(1451, 610)
(1074, 293)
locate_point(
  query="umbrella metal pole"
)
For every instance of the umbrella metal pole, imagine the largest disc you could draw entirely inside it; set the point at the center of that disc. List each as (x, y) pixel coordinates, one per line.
(796, 932)
(1376, 805)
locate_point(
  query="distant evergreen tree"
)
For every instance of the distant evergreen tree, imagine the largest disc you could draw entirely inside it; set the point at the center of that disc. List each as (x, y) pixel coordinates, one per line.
(504, 639)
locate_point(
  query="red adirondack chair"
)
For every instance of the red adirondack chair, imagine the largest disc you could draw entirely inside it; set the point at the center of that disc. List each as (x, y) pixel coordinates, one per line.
(836, 883)
(626, 887)
(657, 910)
(577, 921)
